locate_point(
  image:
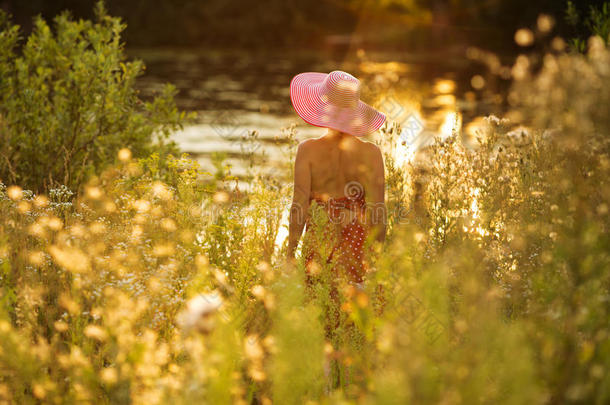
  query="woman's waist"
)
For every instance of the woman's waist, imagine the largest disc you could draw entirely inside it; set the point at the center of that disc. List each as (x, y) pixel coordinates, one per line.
(340, 202)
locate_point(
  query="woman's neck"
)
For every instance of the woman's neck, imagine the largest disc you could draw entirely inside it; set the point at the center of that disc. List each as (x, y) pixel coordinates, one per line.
(334, 134)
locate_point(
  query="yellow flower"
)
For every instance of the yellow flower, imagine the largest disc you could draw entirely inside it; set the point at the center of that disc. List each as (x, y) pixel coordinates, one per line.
(109, 375)
(72, 259)
(124, 155)
(14, 193)
(252, 348)
(95, 332)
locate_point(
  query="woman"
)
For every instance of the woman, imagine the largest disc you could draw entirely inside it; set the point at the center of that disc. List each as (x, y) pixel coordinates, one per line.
(338, 171)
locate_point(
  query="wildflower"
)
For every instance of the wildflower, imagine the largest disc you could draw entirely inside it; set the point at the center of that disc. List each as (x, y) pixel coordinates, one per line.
(163, 250)
(386, 339)
(597, 371)
(14, 193)
(221, 197)
(95, 332)
(461, 326)
(69, 304)
(195, 211)
(60, 326)
(4, 326)
(256, 372)
(41, 201)
(72, 259)
(220, 277)
(186, 236)
(156, 212)
(252, 348)
(39, 391)
(161, 191)
(36, 230)
(140, 219)
(269, 343)
(524, 37)
(109, 206)
(109, 375)
(201, 260)
(266, 270)
(269, 301)
(36, 258)
(313, 268)
(259, 291)
(362, 300)
(199, 312)
(168, 224)
(520, 68)
(545, 23)
(23, 207)
(558, 44)
(137, 231)
(55, 224)
(347, 307)
(477, 82)
(141, 205)
(124, 155)
(95, 193)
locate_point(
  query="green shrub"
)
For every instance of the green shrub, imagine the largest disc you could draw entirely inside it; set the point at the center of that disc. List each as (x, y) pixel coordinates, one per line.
(596, 23)
(68, 102)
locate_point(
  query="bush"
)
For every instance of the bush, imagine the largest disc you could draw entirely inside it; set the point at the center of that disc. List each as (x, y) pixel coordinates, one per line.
(68, 103)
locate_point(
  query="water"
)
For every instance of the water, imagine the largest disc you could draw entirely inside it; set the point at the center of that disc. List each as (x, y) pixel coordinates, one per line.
(234, 92)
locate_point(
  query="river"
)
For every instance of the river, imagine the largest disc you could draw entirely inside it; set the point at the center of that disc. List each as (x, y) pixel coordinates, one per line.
(234, 92)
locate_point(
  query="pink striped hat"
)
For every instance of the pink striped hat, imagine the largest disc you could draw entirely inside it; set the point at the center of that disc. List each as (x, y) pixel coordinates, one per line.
(333, 101)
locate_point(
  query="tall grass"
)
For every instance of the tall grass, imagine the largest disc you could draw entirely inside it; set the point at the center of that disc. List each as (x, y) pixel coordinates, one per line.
(165, 286)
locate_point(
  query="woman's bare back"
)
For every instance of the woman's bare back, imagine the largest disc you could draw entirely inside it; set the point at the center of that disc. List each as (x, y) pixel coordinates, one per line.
(335, 166)
(341, 166)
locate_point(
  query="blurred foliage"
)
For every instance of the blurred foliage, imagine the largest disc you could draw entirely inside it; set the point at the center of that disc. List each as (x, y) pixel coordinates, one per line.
(597, 22)
(68, 102)
(211, 22)
(411, 24)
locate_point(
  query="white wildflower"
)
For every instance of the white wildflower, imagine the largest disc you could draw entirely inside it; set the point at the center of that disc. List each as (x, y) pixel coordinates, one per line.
(199, 311)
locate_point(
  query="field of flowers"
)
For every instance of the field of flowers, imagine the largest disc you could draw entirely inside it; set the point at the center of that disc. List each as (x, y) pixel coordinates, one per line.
(159, 283)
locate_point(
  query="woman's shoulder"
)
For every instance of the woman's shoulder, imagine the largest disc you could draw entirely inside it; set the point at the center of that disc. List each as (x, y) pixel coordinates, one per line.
(369, 146)
(305, 144)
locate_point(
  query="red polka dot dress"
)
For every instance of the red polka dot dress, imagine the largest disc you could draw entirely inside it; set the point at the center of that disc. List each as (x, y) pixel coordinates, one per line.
(343, 236)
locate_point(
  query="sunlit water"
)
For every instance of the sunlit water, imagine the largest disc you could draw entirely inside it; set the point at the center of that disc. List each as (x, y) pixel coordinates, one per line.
(237, 92)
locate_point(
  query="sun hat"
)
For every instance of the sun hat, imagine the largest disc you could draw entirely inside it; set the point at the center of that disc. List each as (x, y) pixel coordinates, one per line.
(333, 101)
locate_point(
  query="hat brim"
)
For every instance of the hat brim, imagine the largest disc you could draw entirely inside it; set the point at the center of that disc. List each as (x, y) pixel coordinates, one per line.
(306, 97)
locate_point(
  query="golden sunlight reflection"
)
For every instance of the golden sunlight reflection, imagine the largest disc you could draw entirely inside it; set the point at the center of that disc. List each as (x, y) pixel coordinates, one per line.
(474, 130)
(282, 232)
(444, 86)
(451, 123)
(474, 225)
(445, 100)
(409, 142)
(377, 67)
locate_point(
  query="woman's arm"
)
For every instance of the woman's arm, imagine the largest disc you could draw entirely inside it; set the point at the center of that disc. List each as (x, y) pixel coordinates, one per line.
(300, 199)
